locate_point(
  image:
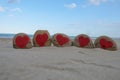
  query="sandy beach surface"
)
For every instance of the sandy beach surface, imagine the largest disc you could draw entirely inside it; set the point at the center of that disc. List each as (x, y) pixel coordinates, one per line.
(53, 63)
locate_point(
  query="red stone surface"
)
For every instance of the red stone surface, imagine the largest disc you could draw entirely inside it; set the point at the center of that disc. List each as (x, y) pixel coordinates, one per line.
(22, 41)
(83, 41)
(61, 39)
(105, 43)
(41, 39)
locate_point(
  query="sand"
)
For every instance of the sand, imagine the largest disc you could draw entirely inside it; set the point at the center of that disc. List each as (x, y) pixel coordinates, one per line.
(53, 63)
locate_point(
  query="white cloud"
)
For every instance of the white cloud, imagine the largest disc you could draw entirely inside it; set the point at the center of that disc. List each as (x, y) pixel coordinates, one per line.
(2, 9)
(75, 24)
(13, 1)
(16, 10)
(97, 2)
(71, 6)
(10, 15)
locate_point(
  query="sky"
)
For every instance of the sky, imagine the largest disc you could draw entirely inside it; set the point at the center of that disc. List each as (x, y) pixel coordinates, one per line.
(72, 17)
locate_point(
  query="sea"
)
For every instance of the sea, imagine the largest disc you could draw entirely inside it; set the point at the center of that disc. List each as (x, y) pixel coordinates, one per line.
(4, 35)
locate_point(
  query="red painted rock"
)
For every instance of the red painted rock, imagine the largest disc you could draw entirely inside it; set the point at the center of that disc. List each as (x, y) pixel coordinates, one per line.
(61, 40)
(41, 38)
(83, 41)
(105, 42)
(22, 41)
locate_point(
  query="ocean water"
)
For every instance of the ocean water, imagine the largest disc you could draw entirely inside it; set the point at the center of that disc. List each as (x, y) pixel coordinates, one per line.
(12, 36)
(6, 35)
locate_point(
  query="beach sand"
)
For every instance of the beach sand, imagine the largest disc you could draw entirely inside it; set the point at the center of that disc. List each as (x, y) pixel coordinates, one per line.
(58, 63)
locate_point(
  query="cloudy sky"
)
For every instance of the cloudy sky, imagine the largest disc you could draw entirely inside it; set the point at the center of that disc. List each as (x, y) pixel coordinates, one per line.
(72, 17)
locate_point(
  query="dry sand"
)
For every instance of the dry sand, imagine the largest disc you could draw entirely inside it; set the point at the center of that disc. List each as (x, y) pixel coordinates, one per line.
(53, 63)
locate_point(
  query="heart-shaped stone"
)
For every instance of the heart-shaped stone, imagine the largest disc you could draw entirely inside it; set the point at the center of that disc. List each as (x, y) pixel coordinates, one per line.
(105, 44)
(83, 41)
(61, 39)
(41, 39)
(22, 41)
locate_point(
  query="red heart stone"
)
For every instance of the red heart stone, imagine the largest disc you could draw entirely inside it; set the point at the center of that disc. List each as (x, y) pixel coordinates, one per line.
(41, 39)
(61, 39)
(22, 41)
(105, 43)
(83, 41)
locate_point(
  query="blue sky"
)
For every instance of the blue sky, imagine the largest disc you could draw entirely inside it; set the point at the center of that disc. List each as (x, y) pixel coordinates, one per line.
(72, 17)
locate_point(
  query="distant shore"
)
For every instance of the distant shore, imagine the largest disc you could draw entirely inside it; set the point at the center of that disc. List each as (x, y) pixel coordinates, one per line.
(6, 35)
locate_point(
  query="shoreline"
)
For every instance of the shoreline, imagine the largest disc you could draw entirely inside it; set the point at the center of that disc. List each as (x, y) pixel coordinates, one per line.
(9, 35)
